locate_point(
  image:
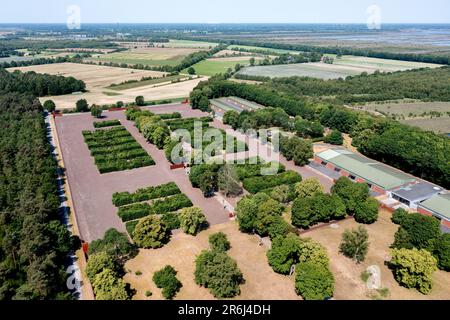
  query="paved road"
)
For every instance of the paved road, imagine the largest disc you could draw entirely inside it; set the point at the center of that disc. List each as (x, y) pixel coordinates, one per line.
(92, 191)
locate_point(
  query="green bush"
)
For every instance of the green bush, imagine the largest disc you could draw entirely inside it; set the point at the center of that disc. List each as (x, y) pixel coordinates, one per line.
(313, 281)
(309, 211)
(171, 220)
(399, 216)
(151, 233)
(134, 211)
(441, 251)
(413, 268)
(219, 273)
(99, 261)
(192, 220)
(257, 184)
(115, 244)
(335, 137)
(171, 204)
(417, 231)
(218, 241)
(367, 211)
(166, 279)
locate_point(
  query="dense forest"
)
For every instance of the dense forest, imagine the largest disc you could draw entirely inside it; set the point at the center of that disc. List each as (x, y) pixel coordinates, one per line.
(38, 84)
(421, 153)
(33, 242)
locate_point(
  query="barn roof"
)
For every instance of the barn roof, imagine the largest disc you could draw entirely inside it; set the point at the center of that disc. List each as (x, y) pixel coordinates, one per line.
(439, 204)
(370, 170)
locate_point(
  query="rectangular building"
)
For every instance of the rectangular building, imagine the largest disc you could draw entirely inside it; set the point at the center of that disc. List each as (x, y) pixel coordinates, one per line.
(437, 206)
(380, 177)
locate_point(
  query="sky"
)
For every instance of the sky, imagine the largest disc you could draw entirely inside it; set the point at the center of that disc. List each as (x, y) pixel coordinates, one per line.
(226, 11)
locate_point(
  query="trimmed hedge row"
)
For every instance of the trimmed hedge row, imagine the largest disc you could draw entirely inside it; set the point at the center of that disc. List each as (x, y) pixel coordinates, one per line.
(257, 184)
(108, 123)
(145, 194)
(134, 211)
(115, 149)
(164, 206)
(172, 204)
(169, 116)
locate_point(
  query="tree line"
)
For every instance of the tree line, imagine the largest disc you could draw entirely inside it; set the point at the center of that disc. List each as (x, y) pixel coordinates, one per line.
(38, 84)
(33, 242)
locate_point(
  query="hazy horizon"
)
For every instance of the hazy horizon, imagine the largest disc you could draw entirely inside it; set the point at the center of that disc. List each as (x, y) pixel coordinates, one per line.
(230, 12)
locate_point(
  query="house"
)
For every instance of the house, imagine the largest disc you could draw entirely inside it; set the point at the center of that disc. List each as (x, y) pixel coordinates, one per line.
(437, 206)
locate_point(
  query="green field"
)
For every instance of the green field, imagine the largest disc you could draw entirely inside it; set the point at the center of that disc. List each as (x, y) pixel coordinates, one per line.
(341, 68)
(275, 51)
(138, 84)
(211, 67)
(188, 44)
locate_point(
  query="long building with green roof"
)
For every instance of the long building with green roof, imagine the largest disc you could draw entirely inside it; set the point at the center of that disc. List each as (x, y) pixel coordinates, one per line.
(438, 206)
(380, 177)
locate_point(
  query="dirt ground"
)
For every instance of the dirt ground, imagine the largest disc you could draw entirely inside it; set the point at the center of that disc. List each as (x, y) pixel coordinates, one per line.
(98, 78)
(349, 285)
(261, 282)
(92, 191)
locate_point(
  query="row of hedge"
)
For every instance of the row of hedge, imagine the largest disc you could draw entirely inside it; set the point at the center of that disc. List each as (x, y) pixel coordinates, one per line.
(163, 206)
(106, 147)
(108, 123)
(257, 184)
(144, 194)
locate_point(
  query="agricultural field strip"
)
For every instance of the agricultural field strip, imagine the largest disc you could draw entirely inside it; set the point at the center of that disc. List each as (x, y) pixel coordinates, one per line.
(143, 83)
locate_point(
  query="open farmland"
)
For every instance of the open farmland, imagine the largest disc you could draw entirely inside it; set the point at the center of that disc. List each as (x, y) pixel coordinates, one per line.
(148, 56)
(99, 78)
(187, 44)
(210, 67)
(438, 125)
(251, 48)
(341, 68)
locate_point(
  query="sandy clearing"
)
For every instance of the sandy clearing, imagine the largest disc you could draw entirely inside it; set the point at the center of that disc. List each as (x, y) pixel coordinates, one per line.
(261, 282)
(347, 273)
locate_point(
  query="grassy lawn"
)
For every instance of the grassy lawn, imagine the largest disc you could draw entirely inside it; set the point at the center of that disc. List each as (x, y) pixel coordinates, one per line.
(211, 67)
(138, 84)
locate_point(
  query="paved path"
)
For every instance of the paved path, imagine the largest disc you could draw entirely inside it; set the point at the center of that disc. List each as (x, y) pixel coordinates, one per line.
(92, 191)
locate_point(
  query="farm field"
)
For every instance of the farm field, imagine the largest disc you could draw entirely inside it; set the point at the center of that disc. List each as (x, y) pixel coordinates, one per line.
(144, 83)
(384, 65)
(175, 43)
(348, 285)
(214, 66)
(408, 109)
(148, 56)
(261, 282)
(277, 51)
(348, 66)
(99, 78)
(438, 125)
